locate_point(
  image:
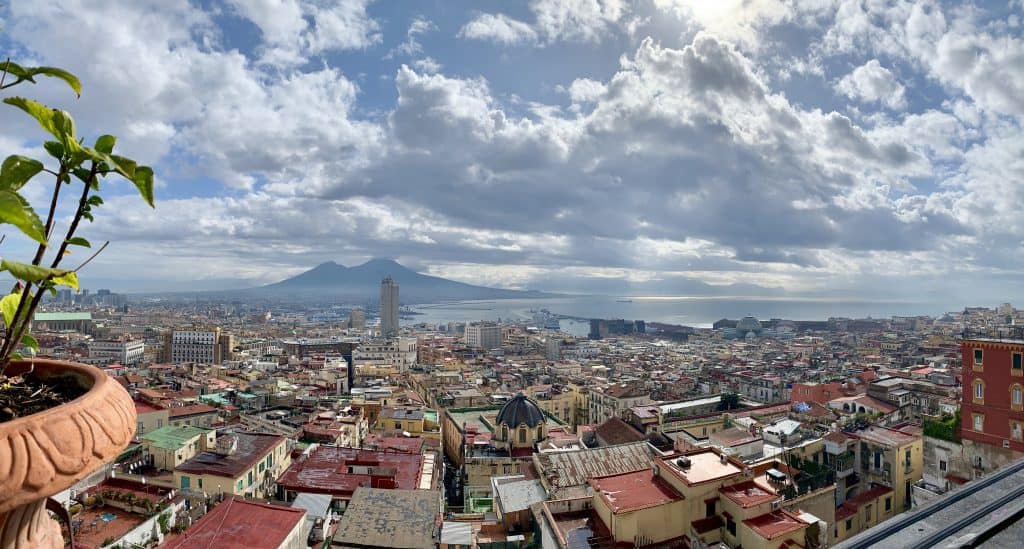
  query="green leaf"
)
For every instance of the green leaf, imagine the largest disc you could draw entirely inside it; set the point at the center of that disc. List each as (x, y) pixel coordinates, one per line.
(17, 170)
(16, 210)
(62, 74)
(30, 342)
(79, 241)
(35, 109)
(27, 272)
(55, 148)
(68, 278)
(16, 70)
(144, 182)
(124, 166)
(9, 306)
(105, 143)
(95, 200)
(16, 356)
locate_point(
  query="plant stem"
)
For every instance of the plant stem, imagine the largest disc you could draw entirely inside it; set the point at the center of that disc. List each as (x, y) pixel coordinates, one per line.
(4, 75)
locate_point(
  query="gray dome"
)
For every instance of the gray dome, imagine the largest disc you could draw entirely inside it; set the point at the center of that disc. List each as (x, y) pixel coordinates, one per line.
(748, 324)
(520, 410)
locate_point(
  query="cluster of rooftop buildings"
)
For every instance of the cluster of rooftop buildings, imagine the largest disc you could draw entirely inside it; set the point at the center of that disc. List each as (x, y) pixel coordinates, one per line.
(313, 427)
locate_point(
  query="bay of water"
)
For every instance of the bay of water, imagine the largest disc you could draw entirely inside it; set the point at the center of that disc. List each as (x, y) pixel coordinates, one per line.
(689, 311)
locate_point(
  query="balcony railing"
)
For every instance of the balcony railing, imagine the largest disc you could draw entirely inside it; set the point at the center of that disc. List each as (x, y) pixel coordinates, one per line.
(844, 464)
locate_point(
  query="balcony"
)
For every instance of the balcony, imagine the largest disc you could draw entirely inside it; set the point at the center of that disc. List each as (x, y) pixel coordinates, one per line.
(843, 464)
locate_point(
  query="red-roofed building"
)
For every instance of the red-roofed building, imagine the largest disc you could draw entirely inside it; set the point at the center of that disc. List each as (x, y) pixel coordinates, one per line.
(864, 511)
(240, 524)
(150, 417)
(339, 471)
(640, 505)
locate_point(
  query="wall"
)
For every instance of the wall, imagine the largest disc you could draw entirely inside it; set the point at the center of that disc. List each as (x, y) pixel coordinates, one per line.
(142, 533)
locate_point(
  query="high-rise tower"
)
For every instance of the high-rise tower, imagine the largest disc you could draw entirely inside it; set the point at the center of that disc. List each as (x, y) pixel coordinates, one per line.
(388, 307)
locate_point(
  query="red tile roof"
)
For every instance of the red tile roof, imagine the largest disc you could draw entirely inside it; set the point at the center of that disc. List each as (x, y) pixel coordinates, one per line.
(633, 491)
(145, 407)
(615, 431)
(240, 524)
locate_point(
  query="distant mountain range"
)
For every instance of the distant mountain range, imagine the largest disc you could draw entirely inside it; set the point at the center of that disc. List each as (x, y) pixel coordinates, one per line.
(363, 281)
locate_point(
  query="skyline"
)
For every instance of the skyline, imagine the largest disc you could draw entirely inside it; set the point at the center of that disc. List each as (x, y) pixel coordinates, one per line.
(830, 149)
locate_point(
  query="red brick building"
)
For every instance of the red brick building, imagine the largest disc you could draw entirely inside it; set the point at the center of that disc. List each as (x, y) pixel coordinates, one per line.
(992, 404)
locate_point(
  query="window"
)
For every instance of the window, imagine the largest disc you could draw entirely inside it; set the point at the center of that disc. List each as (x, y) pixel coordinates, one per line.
(942, 465)
(250, 477)
(1016, 397)
(186, 483)
(200, 481)
(979, 391)
(1017, 363)
(979, 422)
(730, 526)
(1016, 430)
(878, 460)
(867, 512)
(978, 355)
(239, 485)
(522, 436)
(888, 503)
(906, 458)
(849, 524)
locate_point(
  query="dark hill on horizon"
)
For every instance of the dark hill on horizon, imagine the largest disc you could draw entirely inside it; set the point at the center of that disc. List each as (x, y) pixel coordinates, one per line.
(363, 281)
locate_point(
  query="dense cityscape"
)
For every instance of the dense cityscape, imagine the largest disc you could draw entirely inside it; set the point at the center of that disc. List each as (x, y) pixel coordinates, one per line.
(356, 426)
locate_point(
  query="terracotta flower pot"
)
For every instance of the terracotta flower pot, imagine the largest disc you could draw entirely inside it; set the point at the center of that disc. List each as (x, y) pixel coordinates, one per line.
(47, 452)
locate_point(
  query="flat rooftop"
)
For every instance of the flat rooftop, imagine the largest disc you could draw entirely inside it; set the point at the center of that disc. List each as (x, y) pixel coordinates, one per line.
(251, 448)
(405, 519)
(774, 524)
(171, 437)
(887, 437)
(749, 493)
(705, 466)
(634, 491)
(340, 471)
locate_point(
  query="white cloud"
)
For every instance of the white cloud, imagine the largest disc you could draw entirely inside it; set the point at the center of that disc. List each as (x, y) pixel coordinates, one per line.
(498, 28)
(411, 46)
(873, 82)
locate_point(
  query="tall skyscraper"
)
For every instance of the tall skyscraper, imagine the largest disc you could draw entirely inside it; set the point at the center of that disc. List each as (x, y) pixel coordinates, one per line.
(388, 307)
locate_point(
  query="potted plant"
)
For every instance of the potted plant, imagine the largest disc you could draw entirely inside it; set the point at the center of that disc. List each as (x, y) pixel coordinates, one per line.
(59, 421)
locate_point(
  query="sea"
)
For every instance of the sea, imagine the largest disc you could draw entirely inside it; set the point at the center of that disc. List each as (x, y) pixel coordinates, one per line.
(699, 312)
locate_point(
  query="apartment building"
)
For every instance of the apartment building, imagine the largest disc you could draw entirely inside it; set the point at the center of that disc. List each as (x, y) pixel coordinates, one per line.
(483, 335)
(200, 345)
(127, 352)
(243, 464)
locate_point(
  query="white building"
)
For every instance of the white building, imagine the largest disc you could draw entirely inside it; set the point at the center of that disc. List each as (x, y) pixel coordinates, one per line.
(399, 352)
(195, 346)
(388, 307)
(127, 352)
(483, 335)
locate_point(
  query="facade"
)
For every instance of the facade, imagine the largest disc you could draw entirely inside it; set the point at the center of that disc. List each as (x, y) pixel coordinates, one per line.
(127, 352)
(388, 307)
(614, 400)
(397, 352)
(483, 335)
(150, 417)
(204, 346)
(992, 405)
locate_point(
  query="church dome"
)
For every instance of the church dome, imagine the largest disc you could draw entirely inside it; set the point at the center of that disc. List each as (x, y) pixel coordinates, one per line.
(520, 410)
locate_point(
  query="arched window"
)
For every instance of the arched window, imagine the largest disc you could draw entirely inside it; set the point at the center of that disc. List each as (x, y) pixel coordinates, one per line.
(522, 435)
(979, 390)
(504, 432)
(1016, 396)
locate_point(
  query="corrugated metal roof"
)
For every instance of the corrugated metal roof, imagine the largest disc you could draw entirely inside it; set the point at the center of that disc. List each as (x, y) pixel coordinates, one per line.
(560, 470)
(315, 504)
(456, 533)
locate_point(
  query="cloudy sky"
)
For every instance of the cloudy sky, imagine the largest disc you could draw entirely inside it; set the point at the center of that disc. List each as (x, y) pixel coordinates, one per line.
(862, 148)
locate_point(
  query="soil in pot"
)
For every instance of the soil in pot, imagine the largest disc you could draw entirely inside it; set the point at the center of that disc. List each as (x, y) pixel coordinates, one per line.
(25, 395)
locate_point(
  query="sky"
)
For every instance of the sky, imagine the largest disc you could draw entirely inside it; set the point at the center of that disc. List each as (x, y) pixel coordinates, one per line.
(863, 148)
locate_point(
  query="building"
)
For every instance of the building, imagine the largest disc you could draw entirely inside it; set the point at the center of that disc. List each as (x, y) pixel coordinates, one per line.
(388, 307)
(244, 464)
(483, 335)
(992, 405)
(403, 519)
(150, 417)
(61, 321)
(240, 524)
(338, 472)
(127, 352)
(204, 346)
(197, 415)
(356, 319)
(172, 446)
(612, 401)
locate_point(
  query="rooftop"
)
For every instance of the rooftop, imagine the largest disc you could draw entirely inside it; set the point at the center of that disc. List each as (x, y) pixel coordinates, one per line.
(61, 316)
(562, 470)
(340, 471)
(194, 409)
(705, 466)
(634, 491)
(240, 524)
(749, 493)
(251, 448)
(172, 438)
(402, 519)
(774, 524)
(886, 437)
